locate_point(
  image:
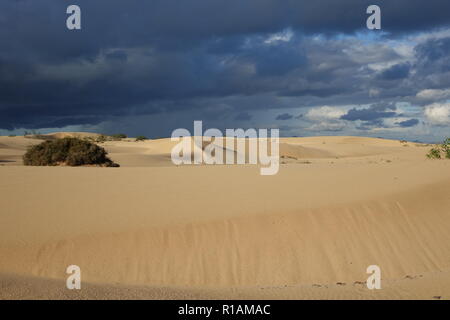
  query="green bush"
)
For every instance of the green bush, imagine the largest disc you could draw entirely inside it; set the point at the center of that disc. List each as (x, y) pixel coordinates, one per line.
(446, 148)
(141, 138)
(67, 151)
(118, 136)
(101, 138)
(434, 153)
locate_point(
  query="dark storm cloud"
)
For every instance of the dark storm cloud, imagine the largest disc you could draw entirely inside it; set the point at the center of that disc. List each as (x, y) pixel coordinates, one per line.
(137, 22)
(243, 116)
(373, 113)
(408, 123)
(367, 125)
(284, 116)
(277, 60)
(432, 70)
(144, 57)
(434, 50)
(195, 19)
(398, 71)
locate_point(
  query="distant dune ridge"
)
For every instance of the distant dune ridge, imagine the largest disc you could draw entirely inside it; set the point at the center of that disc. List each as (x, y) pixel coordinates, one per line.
(154, 230)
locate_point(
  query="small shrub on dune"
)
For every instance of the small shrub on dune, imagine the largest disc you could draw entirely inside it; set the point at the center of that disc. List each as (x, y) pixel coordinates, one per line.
(446, 148)
(436, 153)
(118, 137)
(101, 138)
(141, 138)
(67, 151)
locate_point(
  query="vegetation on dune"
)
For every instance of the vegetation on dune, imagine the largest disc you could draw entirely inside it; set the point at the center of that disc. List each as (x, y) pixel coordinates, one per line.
(41, 137)
(33, 134)
(446, 148)
(30, 133)
(434, 153)
(141, 138)
(118, 136)
(67, 151)
(101, 138)
(443, 150)
(104, 138)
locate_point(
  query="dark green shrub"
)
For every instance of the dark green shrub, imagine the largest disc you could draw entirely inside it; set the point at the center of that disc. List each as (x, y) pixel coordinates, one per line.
(141, 138)
(434, 153)
(446, 148)
(118, 136)
(101, 138)
(67, 151)
(447, 153)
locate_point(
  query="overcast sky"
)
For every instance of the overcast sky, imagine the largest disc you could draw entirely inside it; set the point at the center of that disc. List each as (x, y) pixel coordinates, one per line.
(149, 67)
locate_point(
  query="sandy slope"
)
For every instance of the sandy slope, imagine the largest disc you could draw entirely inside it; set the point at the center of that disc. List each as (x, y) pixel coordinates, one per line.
(153, 230)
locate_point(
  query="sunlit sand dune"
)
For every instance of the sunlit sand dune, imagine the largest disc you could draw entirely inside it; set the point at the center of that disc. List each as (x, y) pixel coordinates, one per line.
(154, 230)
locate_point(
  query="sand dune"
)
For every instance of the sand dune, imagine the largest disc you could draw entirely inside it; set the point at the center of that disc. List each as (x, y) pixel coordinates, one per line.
(154, 230)
(60, 135)
(12, 149)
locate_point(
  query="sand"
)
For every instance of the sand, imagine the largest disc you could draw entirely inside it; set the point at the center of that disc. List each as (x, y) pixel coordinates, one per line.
(152, 230)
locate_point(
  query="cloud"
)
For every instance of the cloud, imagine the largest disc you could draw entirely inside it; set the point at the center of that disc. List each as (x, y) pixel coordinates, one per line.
(434, 94)
(324, 113)
(243, 116)
(374, 112)
(432, 65)
(332, 126)
(158, 59)
(438, 114)
(396, 72)
(408, 123)
(284, 116)
(325, 118)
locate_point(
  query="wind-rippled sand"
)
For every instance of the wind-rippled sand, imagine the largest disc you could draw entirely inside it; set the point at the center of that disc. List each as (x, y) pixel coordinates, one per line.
(153, 230)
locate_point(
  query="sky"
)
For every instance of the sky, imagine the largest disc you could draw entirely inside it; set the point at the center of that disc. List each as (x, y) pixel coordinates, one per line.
(309, 68)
